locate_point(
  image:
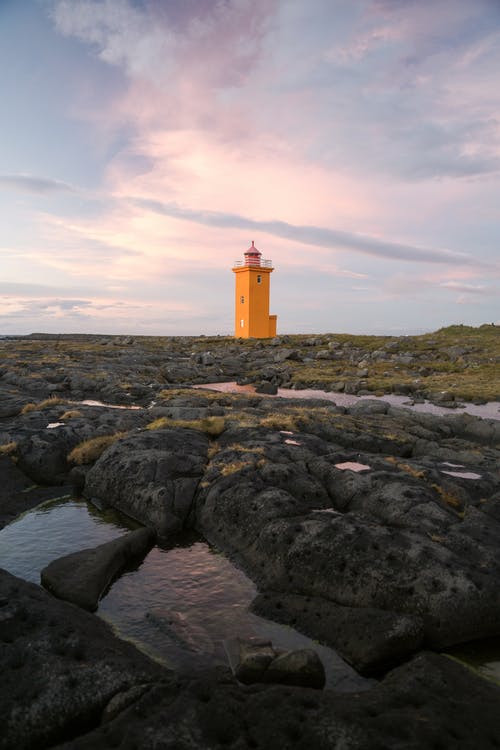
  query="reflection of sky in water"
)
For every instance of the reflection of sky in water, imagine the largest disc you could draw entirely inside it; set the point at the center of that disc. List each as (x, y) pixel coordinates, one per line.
(487, 411)
(482, 655)
(50, 531)
(462, 474)
(197, 597)
(183, 603)
(352, 466)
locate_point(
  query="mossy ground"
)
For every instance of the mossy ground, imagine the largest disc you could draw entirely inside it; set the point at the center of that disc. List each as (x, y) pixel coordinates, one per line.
(438, 365)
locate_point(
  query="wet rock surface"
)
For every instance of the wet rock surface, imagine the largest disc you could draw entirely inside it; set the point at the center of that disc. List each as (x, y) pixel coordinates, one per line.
(82, 577)
(371, 528)
(60, 667)
(257, 661)
(372, 640)
(68, 682)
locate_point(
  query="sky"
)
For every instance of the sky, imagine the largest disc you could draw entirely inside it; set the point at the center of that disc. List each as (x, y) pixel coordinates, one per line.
(144, 144)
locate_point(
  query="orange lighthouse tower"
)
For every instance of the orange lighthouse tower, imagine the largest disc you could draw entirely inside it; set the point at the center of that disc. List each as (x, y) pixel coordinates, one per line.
(253, 274)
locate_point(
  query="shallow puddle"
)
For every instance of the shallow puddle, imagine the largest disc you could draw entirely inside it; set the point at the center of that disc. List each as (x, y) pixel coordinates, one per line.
(352, 466)
(462, 474)
(490, 410)
(52, 530)
(483, 656)
(179, 605)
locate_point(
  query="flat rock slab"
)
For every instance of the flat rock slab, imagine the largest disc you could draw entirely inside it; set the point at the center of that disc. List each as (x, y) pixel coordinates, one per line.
(372, 640)
(82, 577)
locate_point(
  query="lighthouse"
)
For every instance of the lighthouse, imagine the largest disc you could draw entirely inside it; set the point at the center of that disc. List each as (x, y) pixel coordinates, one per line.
(253, 275)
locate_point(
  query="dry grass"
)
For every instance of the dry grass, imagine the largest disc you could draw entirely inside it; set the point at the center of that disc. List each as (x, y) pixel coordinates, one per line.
(243, 449)
(416, 473)
(45, 404)
(213, 449)
(436, 538)
(71, 414)
(89, 450)
(8, 449)
(243, 418)
(447, 497)
(234, 467)
(280, 421)
(211, 426)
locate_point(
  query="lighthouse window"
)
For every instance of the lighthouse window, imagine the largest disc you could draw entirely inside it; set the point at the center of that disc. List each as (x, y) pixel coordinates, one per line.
(259, 279)
(242, 300)
(242, 323)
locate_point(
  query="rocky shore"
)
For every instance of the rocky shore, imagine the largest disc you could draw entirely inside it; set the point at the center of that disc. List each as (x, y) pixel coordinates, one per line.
(373, 529)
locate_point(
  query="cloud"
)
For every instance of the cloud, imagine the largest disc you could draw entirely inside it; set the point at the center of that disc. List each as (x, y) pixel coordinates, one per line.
(335, 239)
(23, 289)
(456, 286)
(216, 41)
(375, 87)
(29, 184)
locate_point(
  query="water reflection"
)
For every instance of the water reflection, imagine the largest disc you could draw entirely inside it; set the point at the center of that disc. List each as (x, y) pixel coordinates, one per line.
(490, 410)
(182, 603)
(54, 529)
(179, 605)
(483, 655)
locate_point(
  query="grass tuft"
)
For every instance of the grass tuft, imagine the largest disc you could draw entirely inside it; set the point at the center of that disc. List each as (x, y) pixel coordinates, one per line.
(45, 404)
(243, 449)
(211, 426)
(411, 470)
(234, 467)
(447, 497)
(8, 449)
(89, 450)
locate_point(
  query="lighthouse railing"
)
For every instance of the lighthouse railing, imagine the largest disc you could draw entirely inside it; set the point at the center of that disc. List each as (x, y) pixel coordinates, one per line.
(253, 262)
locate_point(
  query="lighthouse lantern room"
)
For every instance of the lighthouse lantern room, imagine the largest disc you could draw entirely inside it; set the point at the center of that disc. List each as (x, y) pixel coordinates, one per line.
(252, 319)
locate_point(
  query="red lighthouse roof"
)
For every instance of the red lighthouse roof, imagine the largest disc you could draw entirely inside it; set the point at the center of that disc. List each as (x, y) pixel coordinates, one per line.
(253, 257)
(253, 250)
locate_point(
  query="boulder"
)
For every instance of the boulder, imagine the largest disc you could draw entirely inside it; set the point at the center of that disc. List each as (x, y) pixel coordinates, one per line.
(372, 640)
(404, 545)
(265, 387)
(258, 661)
(151, 476)
(302, 667)
(82, 577)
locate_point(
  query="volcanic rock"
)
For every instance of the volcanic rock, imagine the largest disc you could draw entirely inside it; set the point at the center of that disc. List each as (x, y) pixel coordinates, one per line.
(82, 577)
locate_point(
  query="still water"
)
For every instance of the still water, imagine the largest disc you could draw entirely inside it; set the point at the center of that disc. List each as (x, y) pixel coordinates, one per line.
(180, 605)
(491, 410)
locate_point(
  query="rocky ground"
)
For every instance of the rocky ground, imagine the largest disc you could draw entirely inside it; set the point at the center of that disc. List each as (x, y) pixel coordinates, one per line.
(373, 529)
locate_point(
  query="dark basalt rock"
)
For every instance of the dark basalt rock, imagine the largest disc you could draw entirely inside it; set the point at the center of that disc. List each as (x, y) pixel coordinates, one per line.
(258, 661)
(151, 476)
(69, 682)
(431, 702)
(82, 577)
(18, 493)
(403, 537)
(382, 555)
(60, 667)
(372, 640)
